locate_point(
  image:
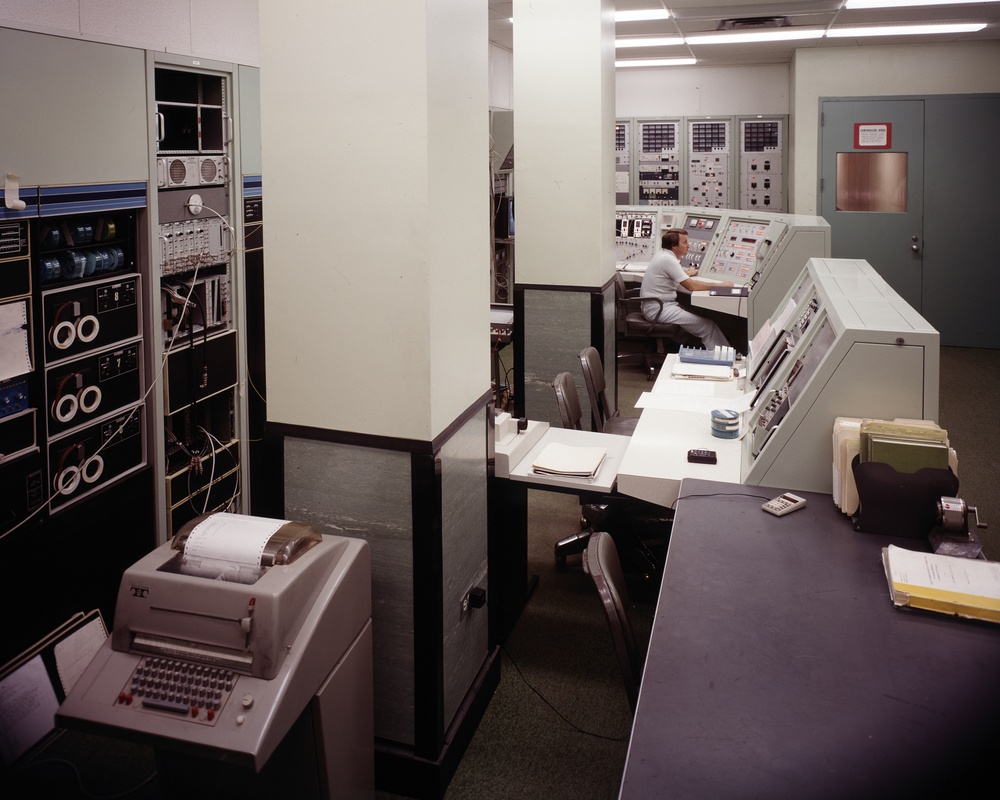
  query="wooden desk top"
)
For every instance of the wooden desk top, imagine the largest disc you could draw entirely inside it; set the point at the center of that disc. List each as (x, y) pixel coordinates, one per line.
(779, 668)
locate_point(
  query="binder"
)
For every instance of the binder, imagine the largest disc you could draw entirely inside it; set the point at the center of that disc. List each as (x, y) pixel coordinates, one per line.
(963, 587)
(34, 683)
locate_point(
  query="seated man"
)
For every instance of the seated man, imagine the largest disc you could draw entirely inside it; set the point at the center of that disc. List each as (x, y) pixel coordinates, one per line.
(662, 277)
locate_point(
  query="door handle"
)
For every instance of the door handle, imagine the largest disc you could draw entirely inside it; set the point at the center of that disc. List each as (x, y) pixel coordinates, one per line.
(914, 247)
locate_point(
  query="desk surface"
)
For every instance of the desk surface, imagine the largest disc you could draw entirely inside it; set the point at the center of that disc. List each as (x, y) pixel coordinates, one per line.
(778, 666)
(656, 460)
(734, 306)
(602, 483)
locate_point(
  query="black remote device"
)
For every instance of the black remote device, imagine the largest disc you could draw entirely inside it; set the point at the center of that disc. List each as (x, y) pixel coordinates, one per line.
(702, 456)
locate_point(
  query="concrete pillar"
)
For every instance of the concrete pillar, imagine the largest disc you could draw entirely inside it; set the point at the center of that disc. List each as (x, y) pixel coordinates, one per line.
(376, 197)
(564, 185)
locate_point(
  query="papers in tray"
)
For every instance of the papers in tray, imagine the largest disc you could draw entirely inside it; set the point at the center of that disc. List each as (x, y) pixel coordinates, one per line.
(905, 444)
(949, 584)
(569, 460)
(704, 372)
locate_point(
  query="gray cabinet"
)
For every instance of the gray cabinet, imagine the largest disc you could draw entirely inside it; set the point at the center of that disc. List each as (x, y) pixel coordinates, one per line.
(74, 112)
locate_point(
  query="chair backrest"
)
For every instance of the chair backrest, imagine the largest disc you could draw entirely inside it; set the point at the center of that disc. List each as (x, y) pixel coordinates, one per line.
(620, 293)
(568, 401)
(593, 376)
(601, 561)
(629, 309)
(636, 326)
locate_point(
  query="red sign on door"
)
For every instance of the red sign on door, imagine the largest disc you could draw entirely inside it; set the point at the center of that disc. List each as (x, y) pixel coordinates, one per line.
(872, 135)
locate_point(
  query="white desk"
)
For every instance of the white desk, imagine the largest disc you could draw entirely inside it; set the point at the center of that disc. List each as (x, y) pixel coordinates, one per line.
(656, 460)
(510, 585)
(666, 383)
(633, 272)
(603, 482)
(650, 464)
(734, 306)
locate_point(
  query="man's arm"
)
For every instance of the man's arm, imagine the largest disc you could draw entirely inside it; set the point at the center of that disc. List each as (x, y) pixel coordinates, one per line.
(695, 285)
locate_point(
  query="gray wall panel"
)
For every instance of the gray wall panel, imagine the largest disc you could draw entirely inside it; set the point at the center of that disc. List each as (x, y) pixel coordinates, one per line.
(365, 493)
(464, 542)
(556, 329)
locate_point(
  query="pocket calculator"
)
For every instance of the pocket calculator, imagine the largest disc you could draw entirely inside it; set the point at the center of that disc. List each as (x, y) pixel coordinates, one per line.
(784, 504)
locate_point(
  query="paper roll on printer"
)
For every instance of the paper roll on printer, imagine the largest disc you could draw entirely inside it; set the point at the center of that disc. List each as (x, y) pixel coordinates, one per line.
(229, 634)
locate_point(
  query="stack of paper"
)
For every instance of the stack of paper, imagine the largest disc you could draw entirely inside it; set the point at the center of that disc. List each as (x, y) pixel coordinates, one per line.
(846, 445)
(568, 460)
(949, 584)
(709, 372)
(905, 444)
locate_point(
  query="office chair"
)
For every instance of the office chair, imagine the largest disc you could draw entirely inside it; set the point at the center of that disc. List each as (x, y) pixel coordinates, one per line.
(591, 514)
(633, 522)
(601, 562)
(635, 327)
(568, 401)
(605, 419)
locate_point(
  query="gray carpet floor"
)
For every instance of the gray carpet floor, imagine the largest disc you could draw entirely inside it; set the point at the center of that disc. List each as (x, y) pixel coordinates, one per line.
(559, 722)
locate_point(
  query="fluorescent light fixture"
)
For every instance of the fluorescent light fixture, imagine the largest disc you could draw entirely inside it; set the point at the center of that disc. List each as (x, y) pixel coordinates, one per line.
(657, 62)
(906, 30)
(745, 37)
(905, 3)
(642, 16)
(649, 41)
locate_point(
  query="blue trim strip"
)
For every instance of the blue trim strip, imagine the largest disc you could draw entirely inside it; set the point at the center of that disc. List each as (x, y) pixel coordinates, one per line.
(253, 186)
(59, 200)
(29, 194)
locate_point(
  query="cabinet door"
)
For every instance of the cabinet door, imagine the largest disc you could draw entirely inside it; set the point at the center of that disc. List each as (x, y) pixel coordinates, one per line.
(249, 116)
(73, 111)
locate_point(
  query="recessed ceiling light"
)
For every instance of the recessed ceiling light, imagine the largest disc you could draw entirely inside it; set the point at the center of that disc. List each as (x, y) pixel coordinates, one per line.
(642, 16)
(744, 37)
(904, 3)
(649, 41)
(657, 62)
(906, 30)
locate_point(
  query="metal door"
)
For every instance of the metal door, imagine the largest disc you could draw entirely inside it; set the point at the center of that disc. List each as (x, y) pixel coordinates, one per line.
(872, 187)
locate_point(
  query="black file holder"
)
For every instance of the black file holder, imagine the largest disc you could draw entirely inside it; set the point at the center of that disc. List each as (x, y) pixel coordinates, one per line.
(900, 503)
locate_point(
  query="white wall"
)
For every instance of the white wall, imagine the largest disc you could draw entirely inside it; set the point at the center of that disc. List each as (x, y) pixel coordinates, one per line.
(501, 77)
(222, 30)
(701, 91)
(947, 68)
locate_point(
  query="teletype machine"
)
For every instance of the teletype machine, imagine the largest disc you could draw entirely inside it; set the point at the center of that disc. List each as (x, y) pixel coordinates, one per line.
(242, 653)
